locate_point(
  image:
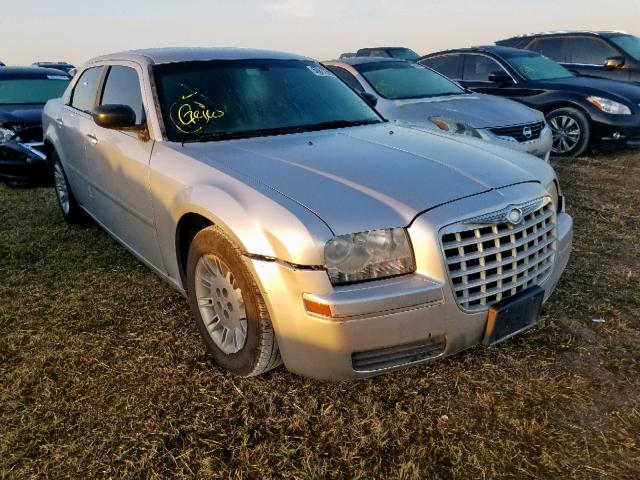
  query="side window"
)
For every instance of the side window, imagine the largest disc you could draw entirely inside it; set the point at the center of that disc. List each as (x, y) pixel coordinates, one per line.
(587, 51)
(551, 47)
(84, 92)
(378, 53)
(122, 87)
(450, 65)
(347, 78)
(478, 67)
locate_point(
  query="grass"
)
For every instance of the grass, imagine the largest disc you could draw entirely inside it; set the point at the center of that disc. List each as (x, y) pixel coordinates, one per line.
(102, 373)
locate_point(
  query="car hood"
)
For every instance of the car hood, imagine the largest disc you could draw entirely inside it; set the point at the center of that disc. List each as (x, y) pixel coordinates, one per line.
(21, 114)
(363, 178)
(477, 110)
(599, 86)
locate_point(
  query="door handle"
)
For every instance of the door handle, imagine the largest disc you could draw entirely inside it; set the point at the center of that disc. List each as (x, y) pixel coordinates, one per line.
(59, 122)
(93, 140)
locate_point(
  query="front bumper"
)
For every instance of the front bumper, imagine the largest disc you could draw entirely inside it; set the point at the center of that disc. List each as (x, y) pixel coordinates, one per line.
(22, 161)
(540, 147)
(617, 130)
(389, 324)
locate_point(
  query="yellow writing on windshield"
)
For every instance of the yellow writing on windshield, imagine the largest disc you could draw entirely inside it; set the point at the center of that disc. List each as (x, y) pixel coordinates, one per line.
(191, 114)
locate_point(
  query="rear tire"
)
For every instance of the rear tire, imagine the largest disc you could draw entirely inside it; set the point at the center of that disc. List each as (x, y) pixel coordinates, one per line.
(571, 132)
(230, 313)
(71, 211)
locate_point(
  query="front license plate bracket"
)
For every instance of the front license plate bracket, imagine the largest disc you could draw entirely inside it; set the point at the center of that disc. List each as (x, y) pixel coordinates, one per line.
(513, 316)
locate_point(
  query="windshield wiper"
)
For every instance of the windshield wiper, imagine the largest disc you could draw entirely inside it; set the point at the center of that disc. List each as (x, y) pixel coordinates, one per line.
(266, 132)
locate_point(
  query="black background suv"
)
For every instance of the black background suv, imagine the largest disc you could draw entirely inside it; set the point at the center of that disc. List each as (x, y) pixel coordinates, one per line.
(600, 54)
(581, 111)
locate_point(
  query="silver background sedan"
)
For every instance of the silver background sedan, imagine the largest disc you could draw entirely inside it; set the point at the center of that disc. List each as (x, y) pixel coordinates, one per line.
(415, 94)
(302, 227)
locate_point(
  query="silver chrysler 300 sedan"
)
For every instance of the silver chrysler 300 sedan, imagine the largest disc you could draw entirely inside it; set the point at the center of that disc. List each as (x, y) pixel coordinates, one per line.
(301, 226)
(412, 93)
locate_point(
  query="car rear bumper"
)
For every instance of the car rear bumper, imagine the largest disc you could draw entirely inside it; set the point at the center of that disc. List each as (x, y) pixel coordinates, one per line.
(379, 326)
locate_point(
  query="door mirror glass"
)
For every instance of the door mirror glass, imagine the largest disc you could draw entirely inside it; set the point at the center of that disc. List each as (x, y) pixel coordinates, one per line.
(501, 78)
(370, 98)
(117, 117)
(614, 63)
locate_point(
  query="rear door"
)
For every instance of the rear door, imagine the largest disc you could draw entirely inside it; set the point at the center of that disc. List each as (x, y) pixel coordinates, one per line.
(119, 162)
(74, 126)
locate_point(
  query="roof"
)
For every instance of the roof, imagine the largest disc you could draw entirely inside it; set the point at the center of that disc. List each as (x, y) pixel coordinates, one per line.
(566, 32)
(492, 49)
(29, 72)
(188, 54)
(364, 60)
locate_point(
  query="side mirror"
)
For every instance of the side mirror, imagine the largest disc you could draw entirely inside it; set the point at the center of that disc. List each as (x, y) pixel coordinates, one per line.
(117, 117)
(614, 63)
(501, 78)
(370, 98)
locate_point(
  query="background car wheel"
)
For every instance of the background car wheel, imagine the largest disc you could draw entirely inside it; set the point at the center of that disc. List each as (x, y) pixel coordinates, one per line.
(571, 132)
(71, 211)
(229, 309)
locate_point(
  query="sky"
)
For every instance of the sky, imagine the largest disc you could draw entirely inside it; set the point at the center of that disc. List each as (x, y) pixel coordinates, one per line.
(76, 30)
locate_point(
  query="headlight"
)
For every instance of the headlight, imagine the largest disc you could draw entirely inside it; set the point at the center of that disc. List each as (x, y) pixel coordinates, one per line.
(553, 189)
(6, 135)
(368, 256)
(609, 106)
(452, 126)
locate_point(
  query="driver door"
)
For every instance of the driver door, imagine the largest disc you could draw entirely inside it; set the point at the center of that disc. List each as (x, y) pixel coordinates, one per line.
(119, 163)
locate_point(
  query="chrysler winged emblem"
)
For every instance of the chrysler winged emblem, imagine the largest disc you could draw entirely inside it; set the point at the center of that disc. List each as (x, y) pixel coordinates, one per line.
(512, 214)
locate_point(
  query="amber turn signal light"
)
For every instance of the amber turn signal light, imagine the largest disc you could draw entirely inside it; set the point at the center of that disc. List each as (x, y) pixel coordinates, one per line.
(316, 308)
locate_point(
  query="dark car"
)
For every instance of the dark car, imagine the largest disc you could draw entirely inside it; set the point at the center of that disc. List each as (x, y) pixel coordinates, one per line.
(582, 111)
(64, 66)
(23, 93)
(614, 55)
(2, 64)
(400, 53)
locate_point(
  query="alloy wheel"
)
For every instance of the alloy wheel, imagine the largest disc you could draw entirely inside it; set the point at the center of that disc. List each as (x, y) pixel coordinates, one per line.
(61, 188)
(566, 133)
(221, 304)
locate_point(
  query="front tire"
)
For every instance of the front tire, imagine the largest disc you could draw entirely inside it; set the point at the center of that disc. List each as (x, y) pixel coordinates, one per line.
(230, 312)
(71, 211)
(571, 132)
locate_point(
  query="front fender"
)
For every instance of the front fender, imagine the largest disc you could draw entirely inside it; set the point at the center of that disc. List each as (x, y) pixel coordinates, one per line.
(258, 224)
(261, 221)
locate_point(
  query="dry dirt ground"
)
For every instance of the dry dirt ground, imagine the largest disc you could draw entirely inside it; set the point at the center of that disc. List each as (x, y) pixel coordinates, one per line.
(102, 373)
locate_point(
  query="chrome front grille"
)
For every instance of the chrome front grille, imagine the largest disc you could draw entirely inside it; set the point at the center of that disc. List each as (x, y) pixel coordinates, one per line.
(520, 133)
(489, 262)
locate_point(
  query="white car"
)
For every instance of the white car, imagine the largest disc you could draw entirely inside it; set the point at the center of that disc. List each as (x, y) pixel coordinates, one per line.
(300, 225)
(414, 94)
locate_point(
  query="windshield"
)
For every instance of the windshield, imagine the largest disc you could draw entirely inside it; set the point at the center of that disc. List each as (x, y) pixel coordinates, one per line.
(537, 67)
(25, 91)
(223, 99)
(402, 80)
(629, 44)
(403, 54)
